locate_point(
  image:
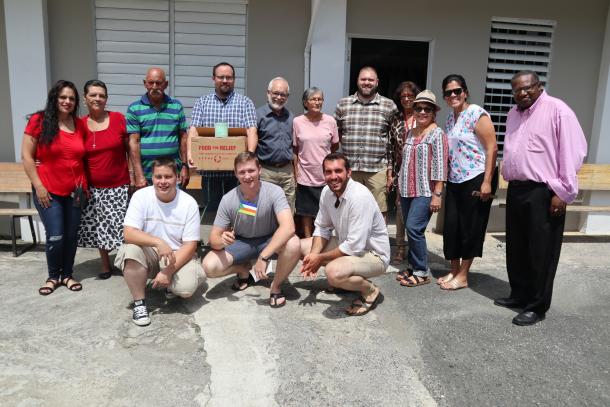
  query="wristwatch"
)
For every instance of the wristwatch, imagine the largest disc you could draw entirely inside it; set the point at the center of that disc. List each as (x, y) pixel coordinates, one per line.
(265, 259)
(439, 194)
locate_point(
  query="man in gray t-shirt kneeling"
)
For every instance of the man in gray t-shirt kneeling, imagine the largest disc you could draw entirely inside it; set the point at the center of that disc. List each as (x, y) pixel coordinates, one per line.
(253, 223)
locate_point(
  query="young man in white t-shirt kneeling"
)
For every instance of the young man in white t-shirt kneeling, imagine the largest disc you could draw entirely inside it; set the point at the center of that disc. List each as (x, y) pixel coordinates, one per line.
(161, 235)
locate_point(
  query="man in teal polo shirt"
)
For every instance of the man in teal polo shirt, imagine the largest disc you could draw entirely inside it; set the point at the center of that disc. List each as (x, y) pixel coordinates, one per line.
(157, 127)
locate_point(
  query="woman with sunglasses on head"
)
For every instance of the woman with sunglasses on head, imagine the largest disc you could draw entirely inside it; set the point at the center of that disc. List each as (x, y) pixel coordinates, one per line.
(403, 122)
(470, 183)
(106, 148)
(314, 136)
(52, 152)
(420, 185)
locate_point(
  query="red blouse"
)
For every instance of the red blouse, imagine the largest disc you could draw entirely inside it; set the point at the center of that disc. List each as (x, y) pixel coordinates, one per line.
(60, 164)
(107, 153)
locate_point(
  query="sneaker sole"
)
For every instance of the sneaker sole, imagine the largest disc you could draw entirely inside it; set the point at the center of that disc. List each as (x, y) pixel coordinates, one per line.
(141, 321)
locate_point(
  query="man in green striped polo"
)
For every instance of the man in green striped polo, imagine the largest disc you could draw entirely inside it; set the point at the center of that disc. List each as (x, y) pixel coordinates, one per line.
(157, 127)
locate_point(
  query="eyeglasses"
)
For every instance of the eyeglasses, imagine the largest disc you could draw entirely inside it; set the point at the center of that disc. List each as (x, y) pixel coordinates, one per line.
(279, 94)
(423, 109)
(225, 78)
(451, 92)
(316, 100)
(526, 89)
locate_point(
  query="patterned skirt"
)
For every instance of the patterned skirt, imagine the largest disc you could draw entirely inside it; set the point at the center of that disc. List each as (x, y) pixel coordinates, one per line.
(101, 223)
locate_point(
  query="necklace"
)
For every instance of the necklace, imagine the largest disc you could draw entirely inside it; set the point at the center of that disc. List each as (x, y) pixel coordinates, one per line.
(96, 124)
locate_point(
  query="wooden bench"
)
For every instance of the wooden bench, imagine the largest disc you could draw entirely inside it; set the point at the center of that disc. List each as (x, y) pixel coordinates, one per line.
(591, 177)
(14, 181)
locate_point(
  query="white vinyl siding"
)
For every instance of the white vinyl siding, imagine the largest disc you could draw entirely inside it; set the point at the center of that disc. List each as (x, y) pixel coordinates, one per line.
(515, 45)
(184, 37)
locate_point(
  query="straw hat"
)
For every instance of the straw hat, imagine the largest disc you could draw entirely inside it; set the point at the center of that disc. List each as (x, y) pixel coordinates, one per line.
(426, 96)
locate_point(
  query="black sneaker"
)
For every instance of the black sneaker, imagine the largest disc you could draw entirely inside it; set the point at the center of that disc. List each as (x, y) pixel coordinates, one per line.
(140, 313)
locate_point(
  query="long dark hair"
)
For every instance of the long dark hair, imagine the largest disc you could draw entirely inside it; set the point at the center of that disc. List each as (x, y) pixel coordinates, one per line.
(50, 120)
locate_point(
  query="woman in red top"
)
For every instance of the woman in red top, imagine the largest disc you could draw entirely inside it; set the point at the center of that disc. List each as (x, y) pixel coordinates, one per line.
(52, 153)
(106, 146)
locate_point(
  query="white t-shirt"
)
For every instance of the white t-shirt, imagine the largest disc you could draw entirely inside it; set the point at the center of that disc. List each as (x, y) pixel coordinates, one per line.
(175, 222)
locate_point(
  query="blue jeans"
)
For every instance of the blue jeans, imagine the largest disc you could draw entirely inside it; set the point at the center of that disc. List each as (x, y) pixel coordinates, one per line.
(61, 222)
(416, 214)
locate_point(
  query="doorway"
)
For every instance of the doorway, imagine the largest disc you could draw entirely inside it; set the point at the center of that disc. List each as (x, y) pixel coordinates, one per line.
(395, 61)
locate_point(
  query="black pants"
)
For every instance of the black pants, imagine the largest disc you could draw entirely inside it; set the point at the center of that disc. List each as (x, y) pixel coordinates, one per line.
(533, 244)
(466, 218)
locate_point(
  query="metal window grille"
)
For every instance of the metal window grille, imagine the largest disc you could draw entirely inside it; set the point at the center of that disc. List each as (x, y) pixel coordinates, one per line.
(514, 45)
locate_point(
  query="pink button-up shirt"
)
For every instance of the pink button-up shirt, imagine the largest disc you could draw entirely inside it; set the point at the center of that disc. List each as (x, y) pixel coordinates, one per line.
(545, 143)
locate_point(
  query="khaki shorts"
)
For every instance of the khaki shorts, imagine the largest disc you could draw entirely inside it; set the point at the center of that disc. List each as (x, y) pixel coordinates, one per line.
(366, 266)
(376, 183)
(184, 282)
(282, 177)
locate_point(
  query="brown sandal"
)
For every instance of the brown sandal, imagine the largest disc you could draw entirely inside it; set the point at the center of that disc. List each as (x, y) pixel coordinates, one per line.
(46, 290)
(414, 280)
(75, 286)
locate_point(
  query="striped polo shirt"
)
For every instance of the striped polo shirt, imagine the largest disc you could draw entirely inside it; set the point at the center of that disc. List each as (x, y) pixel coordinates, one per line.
(159, 129)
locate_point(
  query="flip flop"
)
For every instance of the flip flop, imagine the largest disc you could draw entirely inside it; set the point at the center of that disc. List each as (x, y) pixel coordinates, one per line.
(453, 285)
(46, 290)
(414, 280)
(275, 297)
(362, 303)
(237, 285)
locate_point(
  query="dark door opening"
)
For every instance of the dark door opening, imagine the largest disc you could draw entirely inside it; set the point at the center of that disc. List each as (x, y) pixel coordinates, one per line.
(395, 61)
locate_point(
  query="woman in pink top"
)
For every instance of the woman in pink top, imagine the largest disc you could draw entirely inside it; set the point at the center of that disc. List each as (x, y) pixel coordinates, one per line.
(314, 136)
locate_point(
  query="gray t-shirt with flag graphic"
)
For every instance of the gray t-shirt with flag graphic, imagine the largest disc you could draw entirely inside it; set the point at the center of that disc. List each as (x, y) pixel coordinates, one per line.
(252, 219)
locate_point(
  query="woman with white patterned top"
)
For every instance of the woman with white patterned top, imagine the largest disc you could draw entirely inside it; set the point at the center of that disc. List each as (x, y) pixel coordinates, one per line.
(420, 185)
(472, 161)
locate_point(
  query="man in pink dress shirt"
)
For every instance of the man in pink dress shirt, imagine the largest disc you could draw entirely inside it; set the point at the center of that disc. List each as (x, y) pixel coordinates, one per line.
(544, 147)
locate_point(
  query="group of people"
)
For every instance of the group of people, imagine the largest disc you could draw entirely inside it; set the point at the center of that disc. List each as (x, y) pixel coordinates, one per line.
(83, 169)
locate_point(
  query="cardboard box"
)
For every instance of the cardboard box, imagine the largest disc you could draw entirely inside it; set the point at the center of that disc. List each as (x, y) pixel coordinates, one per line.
(216, 154)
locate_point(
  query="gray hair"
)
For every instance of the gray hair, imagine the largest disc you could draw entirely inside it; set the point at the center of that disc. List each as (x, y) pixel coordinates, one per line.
(278, 78)
(309, 92)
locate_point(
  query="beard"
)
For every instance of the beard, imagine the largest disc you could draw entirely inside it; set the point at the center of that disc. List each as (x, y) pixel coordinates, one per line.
(367, 91)
(274, 105)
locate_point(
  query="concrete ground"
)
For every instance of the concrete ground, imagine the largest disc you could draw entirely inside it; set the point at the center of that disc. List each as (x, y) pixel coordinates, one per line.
(421, 347)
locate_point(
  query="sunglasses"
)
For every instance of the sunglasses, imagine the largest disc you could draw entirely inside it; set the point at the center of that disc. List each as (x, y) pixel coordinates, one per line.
(451, 92)
(423, 109)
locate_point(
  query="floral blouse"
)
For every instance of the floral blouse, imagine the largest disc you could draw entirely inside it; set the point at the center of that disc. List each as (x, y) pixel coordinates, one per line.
(466, 153)
(424, 161)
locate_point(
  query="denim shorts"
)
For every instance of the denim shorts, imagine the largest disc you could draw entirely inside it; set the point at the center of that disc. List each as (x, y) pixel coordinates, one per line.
(245, 249)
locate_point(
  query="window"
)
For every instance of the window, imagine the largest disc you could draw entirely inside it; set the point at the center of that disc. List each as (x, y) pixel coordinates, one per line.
(184, 37)
(515, 45)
